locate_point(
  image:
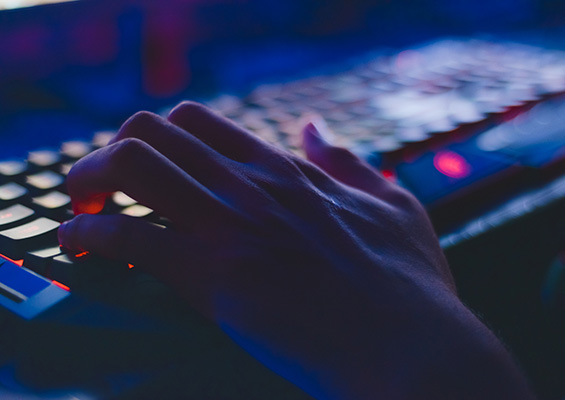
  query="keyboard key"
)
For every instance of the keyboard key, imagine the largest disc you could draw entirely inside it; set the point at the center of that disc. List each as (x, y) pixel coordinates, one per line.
(137, 210)
(75, 149)
(411, 135)
(65, 168)
(12, 192)
(53, 205)
(102, 138)
(85, 270)
(123, 200)
(63, 269)
(386, 144)
(15, 214)
(40, 233)
(40, 260)
(45, 180)
(29, 293)
(44, 158)
(12, 168)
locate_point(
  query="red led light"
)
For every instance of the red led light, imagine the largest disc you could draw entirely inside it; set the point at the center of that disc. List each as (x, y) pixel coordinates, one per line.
(18, 262)
(79, 255)
(389, 175)
(59, 284)
(130, 266)
(452, 164)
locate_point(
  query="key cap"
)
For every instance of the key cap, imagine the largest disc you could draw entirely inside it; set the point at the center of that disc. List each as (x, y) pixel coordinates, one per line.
(11, 169)
(25, 293)
(102, 138)
(12, 192)
(36, 234)
(65, 168)
(85, 270)
(63, 269)
(16, 214)
(137, 210)
(53, 205)
(44, 158)
(45, 180)
(75, 149)
(123, 200)
(40, 260)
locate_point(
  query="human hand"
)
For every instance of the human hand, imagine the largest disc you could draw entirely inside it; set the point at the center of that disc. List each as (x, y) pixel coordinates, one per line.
(330, 275)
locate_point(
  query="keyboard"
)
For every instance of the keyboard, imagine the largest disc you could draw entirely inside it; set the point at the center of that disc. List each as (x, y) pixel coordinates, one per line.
(413, 115)
(472, 128)
(75, 326)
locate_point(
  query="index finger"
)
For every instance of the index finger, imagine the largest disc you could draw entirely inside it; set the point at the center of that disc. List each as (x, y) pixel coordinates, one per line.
(135, 168)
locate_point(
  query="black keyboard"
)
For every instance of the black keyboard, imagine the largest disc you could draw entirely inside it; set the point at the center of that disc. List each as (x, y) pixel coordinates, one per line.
(471, 127)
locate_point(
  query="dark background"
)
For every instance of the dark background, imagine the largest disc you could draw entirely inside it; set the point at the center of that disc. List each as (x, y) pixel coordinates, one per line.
(67, 69)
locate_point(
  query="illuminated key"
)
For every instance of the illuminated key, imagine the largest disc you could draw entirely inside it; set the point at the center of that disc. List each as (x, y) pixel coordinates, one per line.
(44, 180)
(36, 234)
(75, 149)
(137, 210)
(65, 168)
(123, 200)
(12, 168)
(52, 200)
(54, 204)
(11, 192)
(43, 158)
(14, 214)
(102, 138)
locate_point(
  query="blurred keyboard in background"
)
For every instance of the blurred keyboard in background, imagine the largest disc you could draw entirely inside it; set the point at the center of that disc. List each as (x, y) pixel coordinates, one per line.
(416, 116)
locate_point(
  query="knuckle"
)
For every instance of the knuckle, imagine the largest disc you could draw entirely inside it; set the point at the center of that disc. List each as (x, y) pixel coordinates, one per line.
(137, 123)
(125, 152)
(188, 110)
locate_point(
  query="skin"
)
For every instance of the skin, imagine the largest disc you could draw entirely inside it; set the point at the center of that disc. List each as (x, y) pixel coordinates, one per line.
(323, 270)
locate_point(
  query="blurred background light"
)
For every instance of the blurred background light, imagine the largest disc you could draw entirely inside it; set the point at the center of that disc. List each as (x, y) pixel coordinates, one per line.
(10, 4)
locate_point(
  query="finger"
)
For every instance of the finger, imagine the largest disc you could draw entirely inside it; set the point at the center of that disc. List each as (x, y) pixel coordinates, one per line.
(117, 237)
(195, 157)
(218, 132)
(340, 163)
(135, 168)
(177, 260)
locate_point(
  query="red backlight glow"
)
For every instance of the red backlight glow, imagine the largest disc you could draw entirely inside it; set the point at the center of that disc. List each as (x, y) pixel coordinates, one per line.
(18, 262)
(59, 284)
(452, 164)
(389, 175)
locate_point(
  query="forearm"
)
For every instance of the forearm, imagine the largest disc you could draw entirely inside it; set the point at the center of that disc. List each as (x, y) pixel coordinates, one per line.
(471, 363)
(452, 356)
